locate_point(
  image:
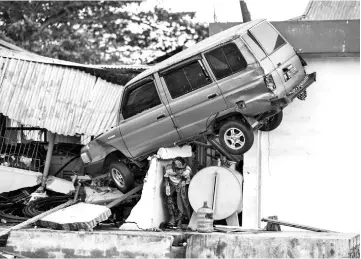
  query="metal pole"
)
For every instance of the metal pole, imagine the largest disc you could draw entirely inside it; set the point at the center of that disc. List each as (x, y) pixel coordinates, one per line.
(48, 159)
(259, 176)
(219, 148)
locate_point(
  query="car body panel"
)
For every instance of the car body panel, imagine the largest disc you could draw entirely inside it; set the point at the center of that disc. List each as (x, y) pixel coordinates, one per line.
(281, 58)
(247, 85)
(103, 145)
(144, 133)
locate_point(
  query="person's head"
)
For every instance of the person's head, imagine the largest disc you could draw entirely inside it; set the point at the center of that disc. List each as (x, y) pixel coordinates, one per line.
(179, 164)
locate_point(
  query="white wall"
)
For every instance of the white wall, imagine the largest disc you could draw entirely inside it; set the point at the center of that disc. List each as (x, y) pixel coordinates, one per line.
(311, 164)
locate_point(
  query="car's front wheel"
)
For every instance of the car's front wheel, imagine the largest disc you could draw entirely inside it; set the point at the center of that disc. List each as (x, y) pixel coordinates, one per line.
(121, 176)
(236, 137)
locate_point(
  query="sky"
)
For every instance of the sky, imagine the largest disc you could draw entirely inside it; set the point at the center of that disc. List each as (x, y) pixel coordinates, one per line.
(229, 10)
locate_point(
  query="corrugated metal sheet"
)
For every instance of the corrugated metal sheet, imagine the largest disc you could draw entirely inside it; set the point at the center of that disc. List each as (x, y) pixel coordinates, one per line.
(332, 10)
(27, 55)
(61, 99)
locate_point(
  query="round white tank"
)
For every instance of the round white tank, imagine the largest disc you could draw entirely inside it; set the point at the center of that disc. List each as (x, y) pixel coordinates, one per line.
(220, 187)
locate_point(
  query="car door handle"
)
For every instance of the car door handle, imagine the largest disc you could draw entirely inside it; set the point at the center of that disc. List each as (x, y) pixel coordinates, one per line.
(211, 96)
(161, 116)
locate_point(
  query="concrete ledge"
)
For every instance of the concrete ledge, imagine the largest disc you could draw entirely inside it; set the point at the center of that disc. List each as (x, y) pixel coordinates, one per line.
(43, 243)
(35, 243)
(274, 245)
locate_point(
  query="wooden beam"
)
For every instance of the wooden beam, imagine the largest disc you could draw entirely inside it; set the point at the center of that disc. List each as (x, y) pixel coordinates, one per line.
(125, 196)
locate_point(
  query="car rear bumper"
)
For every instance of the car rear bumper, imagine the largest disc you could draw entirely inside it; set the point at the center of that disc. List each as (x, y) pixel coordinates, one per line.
(290, 96)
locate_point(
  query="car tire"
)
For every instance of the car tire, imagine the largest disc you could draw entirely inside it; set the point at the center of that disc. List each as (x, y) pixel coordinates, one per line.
(273, 122)
(121, 176)
(236, 137)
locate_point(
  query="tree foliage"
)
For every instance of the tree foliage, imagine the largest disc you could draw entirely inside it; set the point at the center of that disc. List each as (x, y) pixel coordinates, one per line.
(96, 32)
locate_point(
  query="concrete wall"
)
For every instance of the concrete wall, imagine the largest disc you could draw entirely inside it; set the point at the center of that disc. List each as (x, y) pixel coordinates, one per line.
(310, 169)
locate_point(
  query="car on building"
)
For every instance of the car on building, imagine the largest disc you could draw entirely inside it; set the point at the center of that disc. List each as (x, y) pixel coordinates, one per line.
(230, 84)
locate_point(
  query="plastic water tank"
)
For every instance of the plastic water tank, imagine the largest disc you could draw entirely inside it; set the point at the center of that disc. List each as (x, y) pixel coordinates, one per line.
(220, 187)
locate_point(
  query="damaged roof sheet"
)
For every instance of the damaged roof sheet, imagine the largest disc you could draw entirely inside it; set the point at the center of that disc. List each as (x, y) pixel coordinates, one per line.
(55, 95)
(332, 10)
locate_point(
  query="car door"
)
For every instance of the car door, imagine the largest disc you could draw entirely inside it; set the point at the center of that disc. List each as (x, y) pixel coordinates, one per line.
(146, 124)
(283, 56)
(192, 96)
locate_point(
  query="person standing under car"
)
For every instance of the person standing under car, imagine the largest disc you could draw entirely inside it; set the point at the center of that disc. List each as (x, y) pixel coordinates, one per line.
(176, 180)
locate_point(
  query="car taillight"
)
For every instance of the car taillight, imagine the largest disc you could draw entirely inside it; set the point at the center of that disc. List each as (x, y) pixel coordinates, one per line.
(85, 157)
(270, 83)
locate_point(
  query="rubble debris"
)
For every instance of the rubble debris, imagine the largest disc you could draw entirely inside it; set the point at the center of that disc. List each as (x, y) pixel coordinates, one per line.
(83, 216)
(271, 226)
(42, 215)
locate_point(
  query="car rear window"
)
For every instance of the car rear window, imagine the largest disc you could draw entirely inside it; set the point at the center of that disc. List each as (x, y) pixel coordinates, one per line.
(268, 37)
(226, 60)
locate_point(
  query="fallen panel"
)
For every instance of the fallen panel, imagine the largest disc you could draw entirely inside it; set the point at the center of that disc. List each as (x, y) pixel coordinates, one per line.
(16, 178)
(81, 216)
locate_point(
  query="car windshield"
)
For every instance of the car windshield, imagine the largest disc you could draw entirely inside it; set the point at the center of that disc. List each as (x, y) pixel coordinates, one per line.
(268, 37)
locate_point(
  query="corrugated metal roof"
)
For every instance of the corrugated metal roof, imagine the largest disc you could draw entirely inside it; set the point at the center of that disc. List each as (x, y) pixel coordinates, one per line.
(35, 57)
(332, 10)
(59, 98)
(203, 45)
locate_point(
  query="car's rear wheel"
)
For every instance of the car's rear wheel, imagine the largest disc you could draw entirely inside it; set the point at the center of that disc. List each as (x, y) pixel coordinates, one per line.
(236, 137)
(121, 176)
(272, 122)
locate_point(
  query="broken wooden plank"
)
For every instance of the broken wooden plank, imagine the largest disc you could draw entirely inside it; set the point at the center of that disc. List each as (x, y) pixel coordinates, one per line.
(125, 196)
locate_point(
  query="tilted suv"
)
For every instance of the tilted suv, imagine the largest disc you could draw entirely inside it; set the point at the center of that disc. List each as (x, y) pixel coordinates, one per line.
(229, 84)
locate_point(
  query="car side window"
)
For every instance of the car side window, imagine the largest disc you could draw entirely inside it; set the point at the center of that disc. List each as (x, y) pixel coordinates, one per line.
(186, 79)
(226, 60)
(139, 99)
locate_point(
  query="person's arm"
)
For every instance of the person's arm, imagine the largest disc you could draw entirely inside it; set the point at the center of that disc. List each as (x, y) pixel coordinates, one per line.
(166, 180)
(187, 175)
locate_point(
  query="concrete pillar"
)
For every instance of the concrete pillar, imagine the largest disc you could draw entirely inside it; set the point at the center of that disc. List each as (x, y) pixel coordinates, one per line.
(251, 216)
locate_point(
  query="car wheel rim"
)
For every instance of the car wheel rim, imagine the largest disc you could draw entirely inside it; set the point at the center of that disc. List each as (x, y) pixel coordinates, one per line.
(118, 177)
(234, 138)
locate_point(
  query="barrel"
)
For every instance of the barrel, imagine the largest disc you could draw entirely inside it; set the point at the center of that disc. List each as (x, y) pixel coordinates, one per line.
(205, 219)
